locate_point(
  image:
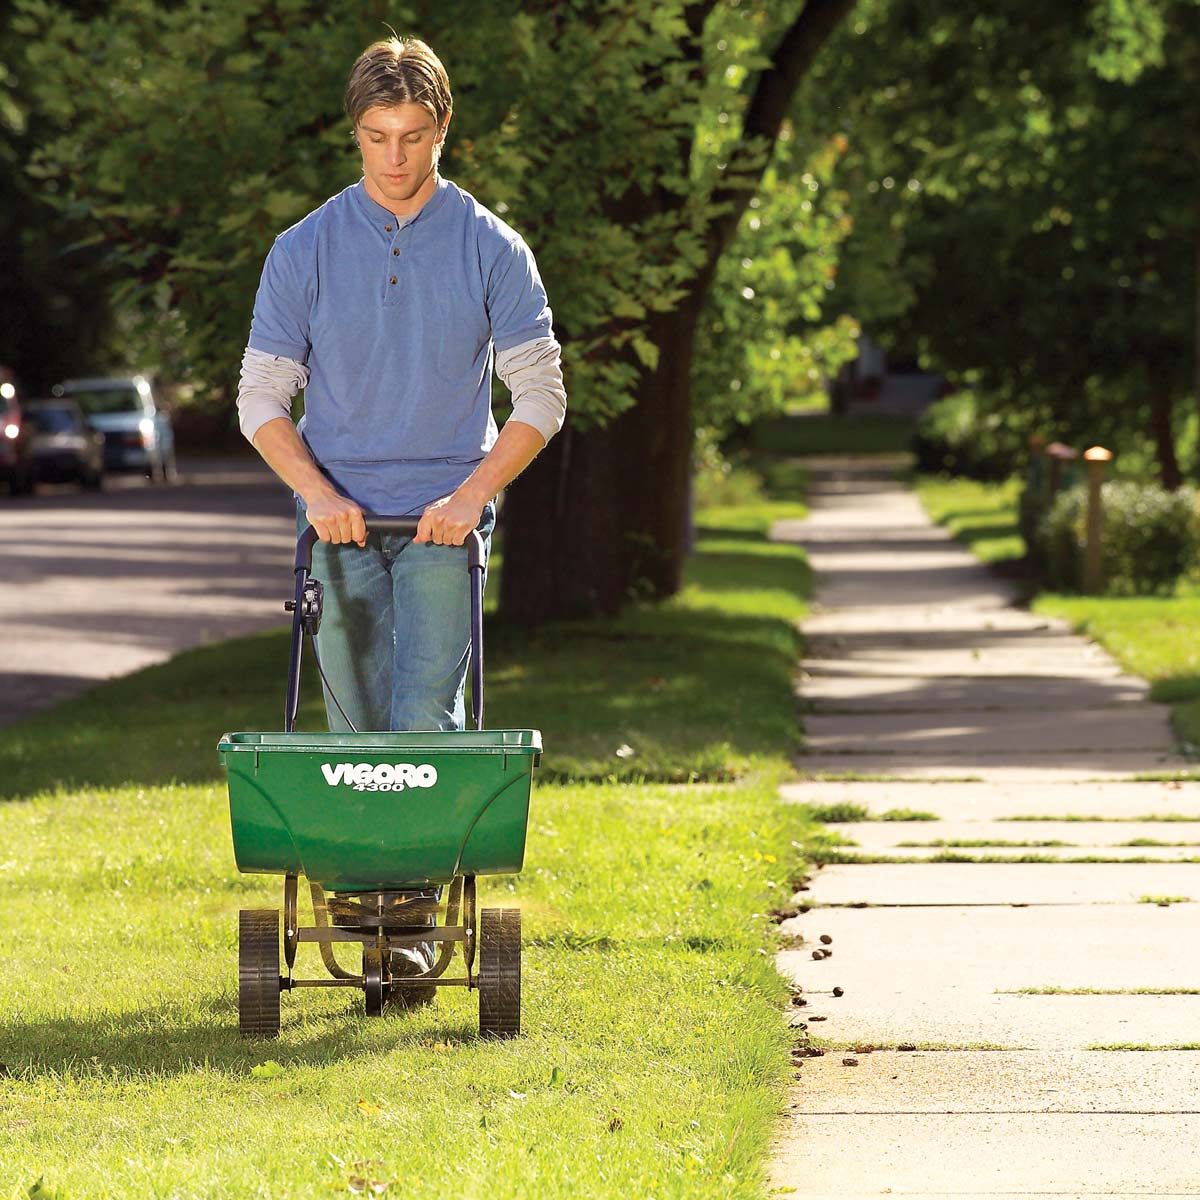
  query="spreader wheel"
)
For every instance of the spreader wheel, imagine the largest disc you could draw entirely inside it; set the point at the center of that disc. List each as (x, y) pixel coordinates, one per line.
(258, 972)
(499, 972)
(376, 984)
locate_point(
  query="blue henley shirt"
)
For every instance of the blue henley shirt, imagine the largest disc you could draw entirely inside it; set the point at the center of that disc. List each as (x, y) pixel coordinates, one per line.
(398, 323)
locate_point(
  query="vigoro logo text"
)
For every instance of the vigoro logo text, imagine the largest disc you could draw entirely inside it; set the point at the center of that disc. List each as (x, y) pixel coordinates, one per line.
(379, 777)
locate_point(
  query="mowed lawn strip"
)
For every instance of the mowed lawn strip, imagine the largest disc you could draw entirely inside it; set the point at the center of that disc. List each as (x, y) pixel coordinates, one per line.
(1156, 637)
(654, 1056)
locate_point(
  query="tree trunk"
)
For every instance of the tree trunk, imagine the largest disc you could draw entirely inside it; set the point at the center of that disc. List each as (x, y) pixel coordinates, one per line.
(1164, 435)
(1196, 318)
(601, 517)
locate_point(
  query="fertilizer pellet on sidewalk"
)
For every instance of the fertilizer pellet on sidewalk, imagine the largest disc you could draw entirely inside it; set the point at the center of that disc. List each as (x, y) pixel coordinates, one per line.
(988, 1026)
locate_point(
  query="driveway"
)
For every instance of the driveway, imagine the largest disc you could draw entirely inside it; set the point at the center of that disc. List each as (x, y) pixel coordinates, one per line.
(97, 585)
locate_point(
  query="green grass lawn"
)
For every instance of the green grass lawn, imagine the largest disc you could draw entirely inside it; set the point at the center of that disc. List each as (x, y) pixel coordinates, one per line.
(1156, 637)
(654, 1055)
(983, 515)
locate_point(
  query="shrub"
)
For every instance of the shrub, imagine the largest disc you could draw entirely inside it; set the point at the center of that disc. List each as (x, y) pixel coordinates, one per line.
(1151, 537)
(1034, 503)
(956, 436)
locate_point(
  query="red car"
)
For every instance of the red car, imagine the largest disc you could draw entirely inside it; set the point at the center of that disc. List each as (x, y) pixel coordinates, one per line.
(16, 460)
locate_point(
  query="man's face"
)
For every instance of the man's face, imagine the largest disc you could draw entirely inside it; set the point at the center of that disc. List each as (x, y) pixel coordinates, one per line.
(400, 147)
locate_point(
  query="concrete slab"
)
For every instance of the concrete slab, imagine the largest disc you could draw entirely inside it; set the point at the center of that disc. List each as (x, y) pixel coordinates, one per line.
(903, 884)
(971, 1018)
(950, 736)
(942, 625)
(1003, 797)
(827, 692)
(1002, 1081)
(909, 956)
(1166, 854)
(1013, 1155)
(932, 618)
(870, 656)
(1124, 767)
(867, 584)
(885, 837)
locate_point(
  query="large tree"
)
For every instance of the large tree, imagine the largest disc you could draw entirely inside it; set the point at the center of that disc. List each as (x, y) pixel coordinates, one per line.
(603, 513)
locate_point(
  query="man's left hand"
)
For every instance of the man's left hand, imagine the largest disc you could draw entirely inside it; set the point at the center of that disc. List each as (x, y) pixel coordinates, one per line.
(446, 522)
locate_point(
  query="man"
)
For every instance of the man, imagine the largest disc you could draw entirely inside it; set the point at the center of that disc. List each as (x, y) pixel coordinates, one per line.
(387, 306)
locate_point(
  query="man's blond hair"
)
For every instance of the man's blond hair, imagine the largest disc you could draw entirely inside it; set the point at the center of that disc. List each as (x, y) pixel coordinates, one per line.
(398, 71)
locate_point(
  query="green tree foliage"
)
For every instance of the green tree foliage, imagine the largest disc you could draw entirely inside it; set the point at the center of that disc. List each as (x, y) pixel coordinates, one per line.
(1037, 167)
(765, 337)
(54, 310)
(204, 130)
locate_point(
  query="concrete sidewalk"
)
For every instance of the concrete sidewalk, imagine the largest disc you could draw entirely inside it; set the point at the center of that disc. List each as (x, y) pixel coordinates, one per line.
(1005, 1027)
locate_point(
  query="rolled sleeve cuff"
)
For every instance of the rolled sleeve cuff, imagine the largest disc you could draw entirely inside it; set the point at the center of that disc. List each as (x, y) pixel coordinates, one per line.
(532, 371)
(268, 383)
(529, 413)
(256, 412)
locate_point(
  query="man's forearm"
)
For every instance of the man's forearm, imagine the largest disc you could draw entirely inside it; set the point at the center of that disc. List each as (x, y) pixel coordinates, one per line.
(286, 454)
(516, 447)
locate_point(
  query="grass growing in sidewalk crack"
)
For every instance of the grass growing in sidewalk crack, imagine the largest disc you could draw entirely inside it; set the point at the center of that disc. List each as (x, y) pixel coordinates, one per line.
(1148, 819)
(1164, 901)
(845, 813)
(828, 856)
(1143, 1046)
(833, 1045)
(1070, 991)
(1133, 842)
(977, 843)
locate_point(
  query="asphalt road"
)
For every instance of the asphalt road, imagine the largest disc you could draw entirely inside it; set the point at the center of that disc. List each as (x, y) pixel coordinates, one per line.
(95, 585)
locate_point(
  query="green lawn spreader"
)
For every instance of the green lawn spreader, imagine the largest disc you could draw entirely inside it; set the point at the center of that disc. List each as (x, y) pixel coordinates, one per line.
(390, 831)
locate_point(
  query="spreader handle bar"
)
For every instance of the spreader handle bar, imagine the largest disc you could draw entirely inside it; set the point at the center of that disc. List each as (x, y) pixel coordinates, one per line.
(407, 527)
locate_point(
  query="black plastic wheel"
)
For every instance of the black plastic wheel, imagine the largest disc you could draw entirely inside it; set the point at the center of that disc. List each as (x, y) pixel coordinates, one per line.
(258, 972)
(499, 972)
(375, 981)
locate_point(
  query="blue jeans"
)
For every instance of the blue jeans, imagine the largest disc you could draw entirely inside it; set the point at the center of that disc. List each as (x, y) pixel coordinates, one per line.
(395, 637)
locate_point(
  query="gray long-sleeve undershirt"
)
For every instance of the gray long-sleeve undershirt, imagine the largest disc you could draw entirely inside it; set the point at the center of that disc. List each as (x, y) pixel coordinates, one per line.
(532, 372)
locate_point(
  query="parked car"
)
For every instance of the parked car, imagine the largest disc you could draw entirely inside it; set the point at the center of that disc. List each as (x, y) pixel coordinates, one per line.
(65, 446)
(16, 462)
(137, 428)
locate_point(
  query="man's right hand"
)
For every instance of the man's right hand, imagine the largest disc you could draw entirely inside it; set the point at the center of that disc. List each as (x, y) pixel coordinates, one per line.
(336, 519)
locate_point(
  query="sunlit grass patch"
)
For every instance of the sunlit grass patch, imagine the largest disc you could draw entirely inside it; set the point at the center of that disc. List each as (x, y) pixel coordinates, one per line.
(982, 515)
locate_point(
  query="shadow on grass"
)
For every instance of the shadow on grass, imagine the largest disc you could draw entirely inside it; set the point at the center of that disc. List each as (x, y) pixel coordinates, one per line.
(171, 1039)
(679, 691)
(1175, 689)
(825, 434)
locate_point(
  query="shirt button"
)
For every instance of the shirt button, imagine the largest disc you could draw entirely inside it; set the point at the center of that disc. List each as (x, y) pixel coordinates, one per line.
(387, 229)
(392, 280)
(396, 251)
